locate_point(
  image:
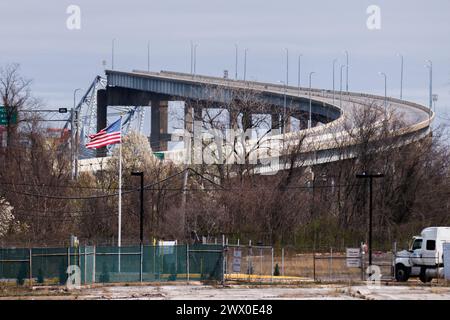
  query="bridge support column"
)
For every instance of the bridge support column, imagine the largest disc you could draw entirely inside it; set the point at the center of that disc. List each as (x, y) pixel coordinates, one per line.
(276, 123)
(159, 131)
(233, 119)
(288, 123)
(188, 118)
(102, 108)
(247, 122)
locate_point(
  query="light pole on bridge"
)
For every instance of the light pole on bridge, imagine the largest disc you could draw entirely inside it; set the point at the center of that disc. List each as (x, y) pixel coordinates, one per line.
(287, 66)
(299, 71)
(340, 87)
(310, 103)
(385, 90)
(245, 63)
(236, 63)
(334, 66)
(429, 65)
(283, 122)
(401, 75)
(346, 76)
(148, 56)
(112, 53)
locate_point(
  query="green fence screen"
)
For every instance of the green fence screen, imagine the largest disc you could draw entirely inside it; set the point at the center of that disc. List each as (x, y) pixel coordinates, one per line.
(107, 264)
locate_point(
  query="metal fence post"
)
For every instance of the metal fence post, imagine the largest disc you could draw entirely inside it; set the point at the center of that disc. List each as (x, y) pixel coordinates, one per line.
(141, 262)
(271, 271)
(331, 263)
(314, 265)
(362, 266)
(85, 264)
(282, 262)
(261, 255)
(31, 266)
(68, 256)
(78, 260)
(223, 262)
(93, 264)
(187, 262)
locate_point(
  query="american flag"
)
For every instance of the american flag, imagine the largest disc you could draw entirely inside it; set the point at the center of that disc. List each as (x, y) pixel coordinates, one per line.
(110, 135)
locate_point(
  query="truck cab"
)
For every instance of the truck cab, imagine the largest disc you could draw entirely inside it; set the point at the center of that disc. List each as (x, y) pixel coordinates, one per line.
(424, 257)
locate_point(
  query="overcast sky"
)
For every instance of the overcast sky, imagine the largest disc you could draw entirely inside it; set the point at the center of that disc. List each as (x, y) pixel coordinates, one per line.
(34, 34)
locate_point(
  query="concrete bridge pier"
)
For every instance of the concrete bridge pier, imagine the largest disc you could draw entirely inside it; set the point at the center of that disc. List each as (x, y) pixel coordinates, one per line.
(102, 106)
(159, 136)
(276, 123)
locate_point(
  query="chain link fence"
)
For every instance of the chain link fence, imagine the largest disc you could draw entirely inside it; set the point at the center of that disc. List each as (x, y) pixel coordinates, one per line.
(108, 264)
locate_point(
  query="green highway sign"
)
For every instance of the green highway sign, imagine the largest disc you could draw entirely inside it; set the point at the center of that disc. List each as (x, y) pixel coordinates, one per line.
(3, 118)
(159, 155)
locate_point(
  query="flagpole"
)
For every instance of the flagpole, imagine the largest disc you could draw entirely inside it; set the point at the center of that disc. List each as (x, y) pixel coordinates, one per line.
(119, 236)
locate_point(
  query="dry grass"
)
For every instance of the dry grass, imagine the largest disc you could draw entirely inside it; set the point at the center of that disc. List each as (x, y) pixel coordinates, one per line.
(325, 267)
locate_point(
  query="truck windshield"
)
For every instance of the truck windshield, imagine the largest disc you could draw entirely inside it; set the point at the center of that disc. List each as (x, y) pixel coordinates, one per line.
(416, 244)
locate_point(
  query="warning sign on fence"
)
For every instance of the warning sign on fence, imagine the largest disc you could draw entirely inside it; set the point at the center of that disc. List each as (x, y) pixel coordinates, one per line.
(353, 256)
(237, 256)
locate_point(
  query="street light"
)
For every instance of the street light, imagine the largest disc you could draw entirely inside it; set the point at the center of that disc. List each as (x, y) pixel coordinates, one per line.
(401, 75)
(148, 56)
(334, 66)
(340, 87)
(141, 215)
(299, 71)
(236, 63)
(429, 65)
(385, 89)
(287, 66)
(112, 54)
(192, 58)
(245, 63)
(365, 175)
(346, 77)
(284, 106)
(435, 99)
(310, 103)
(195, 58)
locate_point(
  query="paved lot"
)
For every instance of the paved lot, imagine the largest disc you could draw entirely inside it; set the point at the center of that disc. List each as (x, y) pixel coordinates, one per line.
(240, 292)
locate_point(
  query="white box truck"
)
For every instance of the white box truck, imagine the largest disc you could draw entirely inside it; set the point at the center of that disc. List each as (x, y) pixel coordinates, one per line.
(424, 258)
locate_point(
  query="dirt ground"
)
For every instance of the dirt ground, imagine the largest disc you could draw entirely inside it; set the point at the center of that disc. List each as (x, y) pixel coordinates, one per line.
(197, 291)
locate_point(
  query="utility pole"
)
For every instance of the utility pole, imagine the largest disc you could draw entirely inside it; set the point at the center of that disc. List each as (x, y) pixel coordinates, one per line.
(74, 135)
(365, 175)
(141, 213)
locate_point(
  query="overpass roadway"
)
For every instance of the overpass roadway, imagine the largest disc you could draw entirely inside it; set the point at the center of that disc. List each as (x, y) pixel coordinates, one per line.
(323, 143)
(320, 144)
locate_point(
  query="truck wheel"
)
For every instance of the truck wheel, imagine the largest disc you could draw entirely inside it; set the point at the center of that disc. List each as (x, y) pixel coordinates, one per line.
(401, 273)
(423, 276)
